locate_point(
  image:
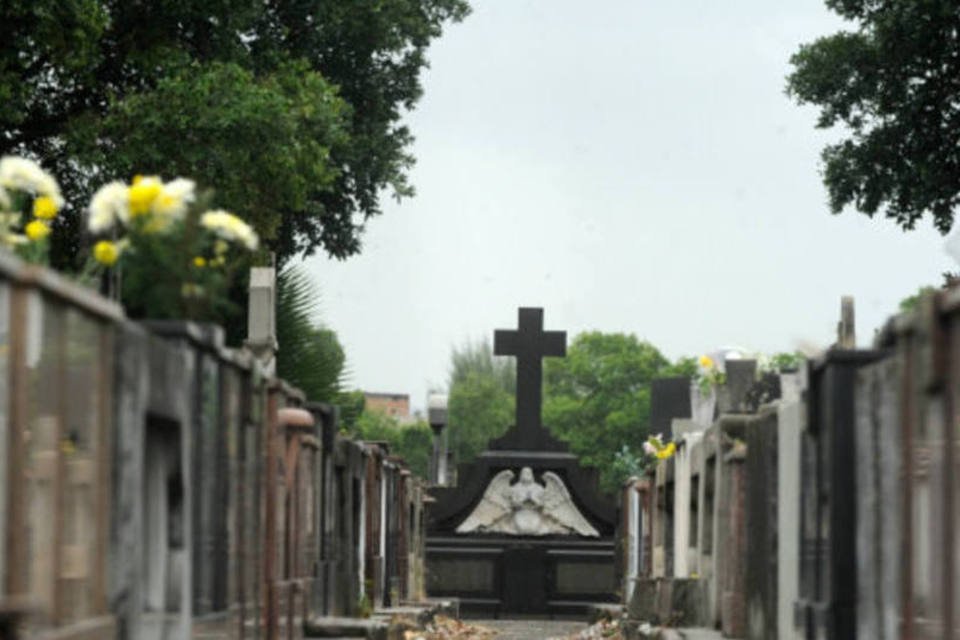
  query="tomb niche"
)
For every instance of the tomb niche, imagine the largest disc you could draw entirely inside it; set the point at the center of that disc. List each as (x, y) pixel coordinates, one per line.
(525, 531)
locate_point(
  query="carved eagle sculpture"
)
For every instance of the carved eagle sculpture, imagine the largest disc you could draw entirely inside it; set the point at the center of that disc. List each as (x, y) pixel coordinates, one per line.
(527, 508)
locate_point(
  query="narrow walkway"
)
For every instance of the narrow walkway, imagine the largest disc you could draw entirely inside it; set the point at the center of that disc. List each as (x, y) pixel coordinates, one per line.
(700, 634)
(531, 629)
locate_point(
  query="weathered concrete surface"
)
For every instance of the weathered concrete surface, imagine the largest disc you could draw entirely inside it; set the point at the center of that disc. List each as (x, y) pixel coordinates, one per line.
(531, 629)
(699, 634)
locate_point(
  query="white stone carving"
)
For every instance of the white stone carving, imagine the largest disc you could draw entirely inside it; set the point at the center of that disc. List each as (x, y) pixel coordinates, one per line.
(527, 508)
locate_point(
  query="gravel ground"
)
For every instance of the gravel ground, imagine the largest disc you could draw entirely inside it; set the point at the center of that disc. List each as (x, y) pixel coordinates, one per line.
(531, 629)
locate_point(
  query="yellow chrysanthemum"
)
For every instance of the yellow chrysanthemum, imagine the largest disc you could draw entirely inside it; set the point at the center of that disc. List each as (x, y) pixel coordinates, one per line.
(200, 262)
(220, 247)
(667, 451)
(219, 261)
(37, 230)
(174, 197)
(106, 253)
(142, 194)
(45, 208)
(706, 362)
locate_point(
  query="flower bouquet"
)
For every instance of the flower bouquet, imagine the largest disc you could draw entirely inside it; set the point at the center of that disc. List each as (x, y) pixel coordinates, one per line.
(655, 447)
(709, 375)
(170, 257)
(30, 200)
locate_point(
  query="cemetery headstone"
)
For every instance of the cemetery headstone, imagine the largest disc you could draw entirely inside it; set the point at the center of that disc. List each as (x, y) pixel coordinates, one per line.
(525, 531)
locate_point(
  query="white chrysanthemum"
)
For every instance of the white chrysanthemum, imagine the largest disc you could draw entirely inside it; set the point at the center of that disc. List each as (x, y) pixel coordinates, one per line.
(21, 174)
(230, 227)
(109, 205)
(174, 198)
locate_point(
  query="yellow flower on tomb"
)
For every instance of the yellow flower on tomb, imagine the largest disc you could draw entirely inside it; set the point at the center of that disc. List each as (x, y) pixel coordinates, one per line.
(200, 262)
(220, 247)
(37, 230)
(106, 253)
(45, 208)
(174, 197)
(706, 362)
(143, 192)
(654, 446)
(667, 451)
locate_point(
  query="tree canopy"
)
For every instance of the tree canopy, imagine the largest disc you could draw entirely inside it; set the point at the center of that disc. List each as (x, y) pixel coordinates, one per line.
(892, 85)
(291, 109)
(482, 392)
(597, 399)
(412, 442)
(310, 355)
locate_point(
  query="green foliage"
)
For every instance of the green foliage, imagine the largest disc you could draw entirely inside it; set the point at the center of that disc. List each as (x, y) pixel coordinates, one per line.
(891, 84)
(786, 361)
(482, 389)
(352, 404)
(237, 93)
(310, 356)
(598, 398)
(291, 118)
(685, 366)
(910, 303)
(412, 442)
(628, 463)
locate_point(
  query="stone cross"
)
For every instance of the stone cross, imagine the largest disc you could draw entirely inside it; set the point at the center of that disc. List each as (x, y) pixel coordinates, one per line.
(529, 343)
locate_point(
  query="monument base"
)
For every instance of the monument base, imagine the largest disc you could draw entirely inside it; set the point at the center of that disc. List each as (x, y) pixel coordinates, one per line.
(498, 577)
(495, 575)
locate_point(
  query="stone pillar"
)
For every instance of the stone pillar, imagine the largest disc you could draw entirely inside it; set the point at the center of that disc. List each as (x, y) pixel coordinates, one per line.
(437, 415)
(261, 317)
(847, 328)
(791, 422)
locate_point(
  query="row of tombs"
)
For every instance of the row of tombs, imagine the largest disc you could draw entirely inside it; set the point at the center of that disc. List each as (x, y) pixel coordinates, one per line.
(156, 484)
(818, 504)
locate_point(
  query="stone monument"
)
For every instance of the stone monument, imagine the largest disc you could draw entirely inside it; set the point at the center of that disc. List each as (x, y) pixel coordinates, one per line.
(525, 531)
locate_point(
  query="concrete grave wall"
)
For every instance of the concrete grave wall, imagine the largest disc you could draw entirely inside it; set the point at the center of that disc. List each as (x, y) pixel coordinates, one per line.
(791, 420)
(155, 491)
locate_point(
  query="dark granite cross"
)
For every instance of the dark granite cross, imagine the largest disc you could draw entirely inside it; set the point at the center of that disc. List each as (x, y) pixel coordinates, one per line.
(529, 343)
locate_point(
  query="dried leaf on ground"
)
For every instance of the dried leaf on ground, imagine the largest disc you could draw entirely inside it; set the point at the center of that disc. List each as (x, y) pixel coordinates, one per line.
(603, 630)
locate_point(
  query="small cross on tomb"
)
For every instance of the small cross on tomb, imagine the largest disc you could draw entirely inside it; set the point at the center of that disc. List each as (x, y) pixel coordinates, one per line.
(530, 344)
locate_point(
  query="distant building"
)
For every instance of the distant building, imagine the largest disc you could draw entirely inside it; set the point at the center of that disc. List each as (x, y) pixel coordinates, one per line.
(395, 405)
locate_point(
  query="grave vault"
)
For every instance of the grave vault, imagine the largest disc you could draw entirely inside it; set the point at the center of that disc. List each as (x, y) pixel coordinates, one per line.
(525, 531)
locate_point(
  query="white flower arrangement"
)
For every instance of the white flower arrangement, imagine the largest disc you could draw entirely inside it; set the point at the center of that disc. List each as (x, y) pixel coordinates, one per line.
(108, 207)
(229, 227)
(23, 174)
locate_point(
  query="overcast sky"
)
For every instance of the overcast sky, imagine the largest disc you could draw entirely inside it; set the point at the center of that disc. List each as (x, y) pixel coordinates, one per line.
(629, 166)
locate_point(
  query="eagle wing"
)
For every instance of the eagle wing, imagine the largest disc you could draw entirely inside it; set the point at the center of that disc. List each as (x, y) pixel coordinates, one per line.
(493, 506)
(558, 505)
